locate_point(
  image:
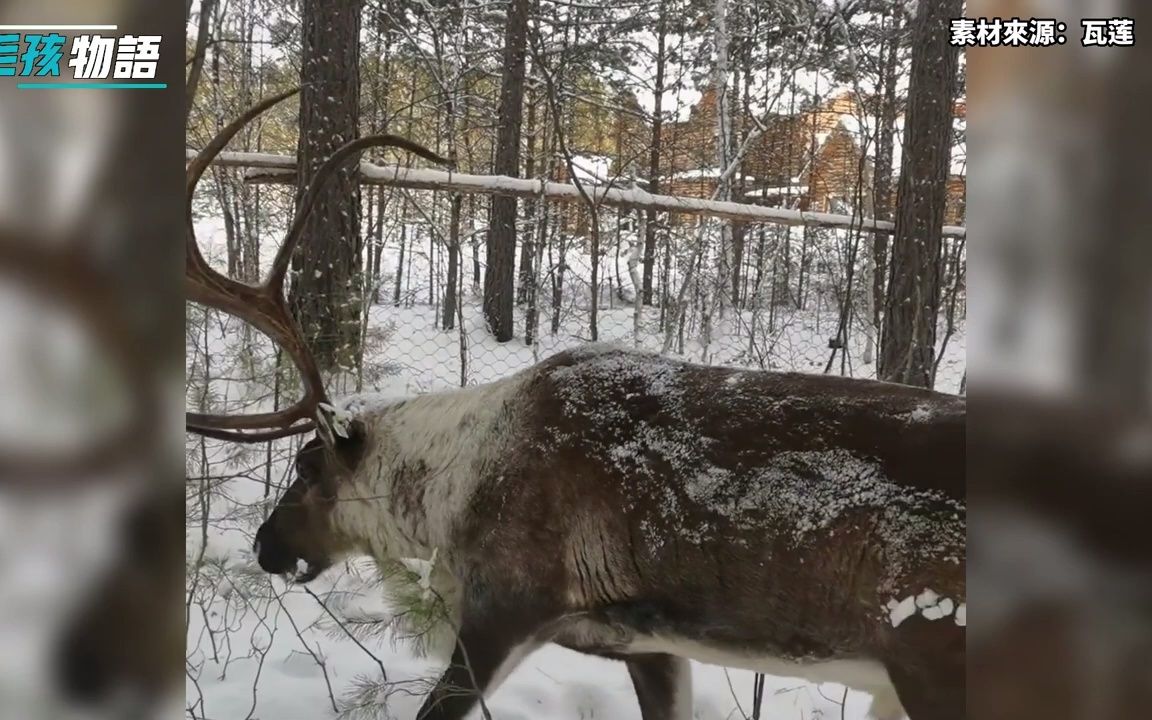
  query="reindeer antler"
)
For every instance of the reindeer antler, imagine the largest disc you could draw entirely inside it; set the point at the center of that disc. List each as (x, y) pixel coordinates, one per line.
(264, 305)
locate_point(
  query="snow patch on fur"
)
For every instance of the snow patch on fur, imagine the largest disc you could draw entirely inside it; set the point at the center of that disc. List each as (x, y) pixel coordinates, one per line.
(928, 604)
(901, 610)
(922, 413)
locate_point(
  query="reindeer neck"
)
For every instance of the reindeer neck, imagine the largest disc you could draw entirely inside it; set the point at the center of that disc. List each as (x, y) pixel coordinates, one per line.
(426, 457)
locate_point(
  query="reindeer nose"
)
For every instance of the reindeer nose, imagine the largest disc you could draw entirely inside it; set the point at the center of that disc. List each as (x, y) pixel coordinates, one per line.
(273, 556)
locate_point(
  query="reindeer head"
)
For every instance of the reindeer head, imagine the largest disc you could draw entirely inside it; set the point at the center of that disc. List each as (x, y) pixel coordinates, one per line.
(301, 527)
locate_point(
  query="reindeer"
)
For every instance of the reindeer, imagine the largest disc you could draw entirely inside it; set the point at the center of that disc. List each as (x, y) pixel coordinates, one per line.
(635, 507)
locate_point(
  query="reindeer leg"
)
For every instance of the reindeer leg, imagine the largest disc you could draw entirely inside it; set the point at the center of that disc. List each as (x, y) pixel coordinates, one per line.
(927, 670)
(489, 646)
(885, 704)
(663, 686)
(931, 693)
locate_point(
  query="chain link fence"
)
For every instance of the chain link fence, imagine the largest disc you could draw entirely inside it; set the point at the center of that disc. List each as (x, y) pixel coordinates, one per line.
(776, 297)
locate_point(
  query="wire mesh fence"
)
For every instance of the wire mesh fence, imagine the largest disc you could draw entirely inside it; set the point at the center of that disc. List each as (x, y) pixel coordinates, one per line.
(767, 297)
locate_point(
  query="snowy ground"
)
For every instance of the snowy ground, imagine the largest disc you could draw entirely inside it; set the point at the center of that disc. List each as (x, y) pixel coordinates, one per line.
(283, 680)
(258, 648)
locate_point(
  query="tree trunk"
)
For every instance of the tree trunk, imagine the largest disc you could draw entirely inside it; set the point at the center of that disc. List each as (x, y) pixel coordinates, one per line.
(207, 12)
(382, 51)
(532, 312)
(246, 204)
(327, 264)
(474, 240)
(654, 151)
(398, 286)
(527, 252)
(882, 172)
(453, 277)
(558, 280)
(908, 341)
(719, 289)
(498, 286)
(543, 213)
(740, 230)
(378, 244)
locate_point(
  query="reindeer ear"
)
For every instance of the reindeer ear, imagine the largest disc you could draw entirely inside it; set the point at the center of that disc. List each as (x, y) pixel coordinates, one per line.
(351, 446)
(330, 424)
(342, 434)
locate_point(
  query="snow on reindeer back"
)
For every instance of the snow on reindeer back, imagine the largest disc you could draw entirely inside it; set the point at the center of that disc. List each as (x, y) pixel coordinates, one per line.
(798, 493)
(604, 384)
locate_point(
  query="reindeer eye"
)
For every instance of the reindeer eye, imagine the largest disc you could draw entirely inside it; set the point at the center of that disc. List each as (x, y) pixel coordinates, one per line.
(306, 472)
(310, 465)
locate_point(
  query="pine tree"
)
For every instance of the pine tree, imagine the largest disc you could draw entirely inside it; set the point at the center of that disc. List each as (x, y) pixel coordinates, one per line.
(326, 268)
(908, 341)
